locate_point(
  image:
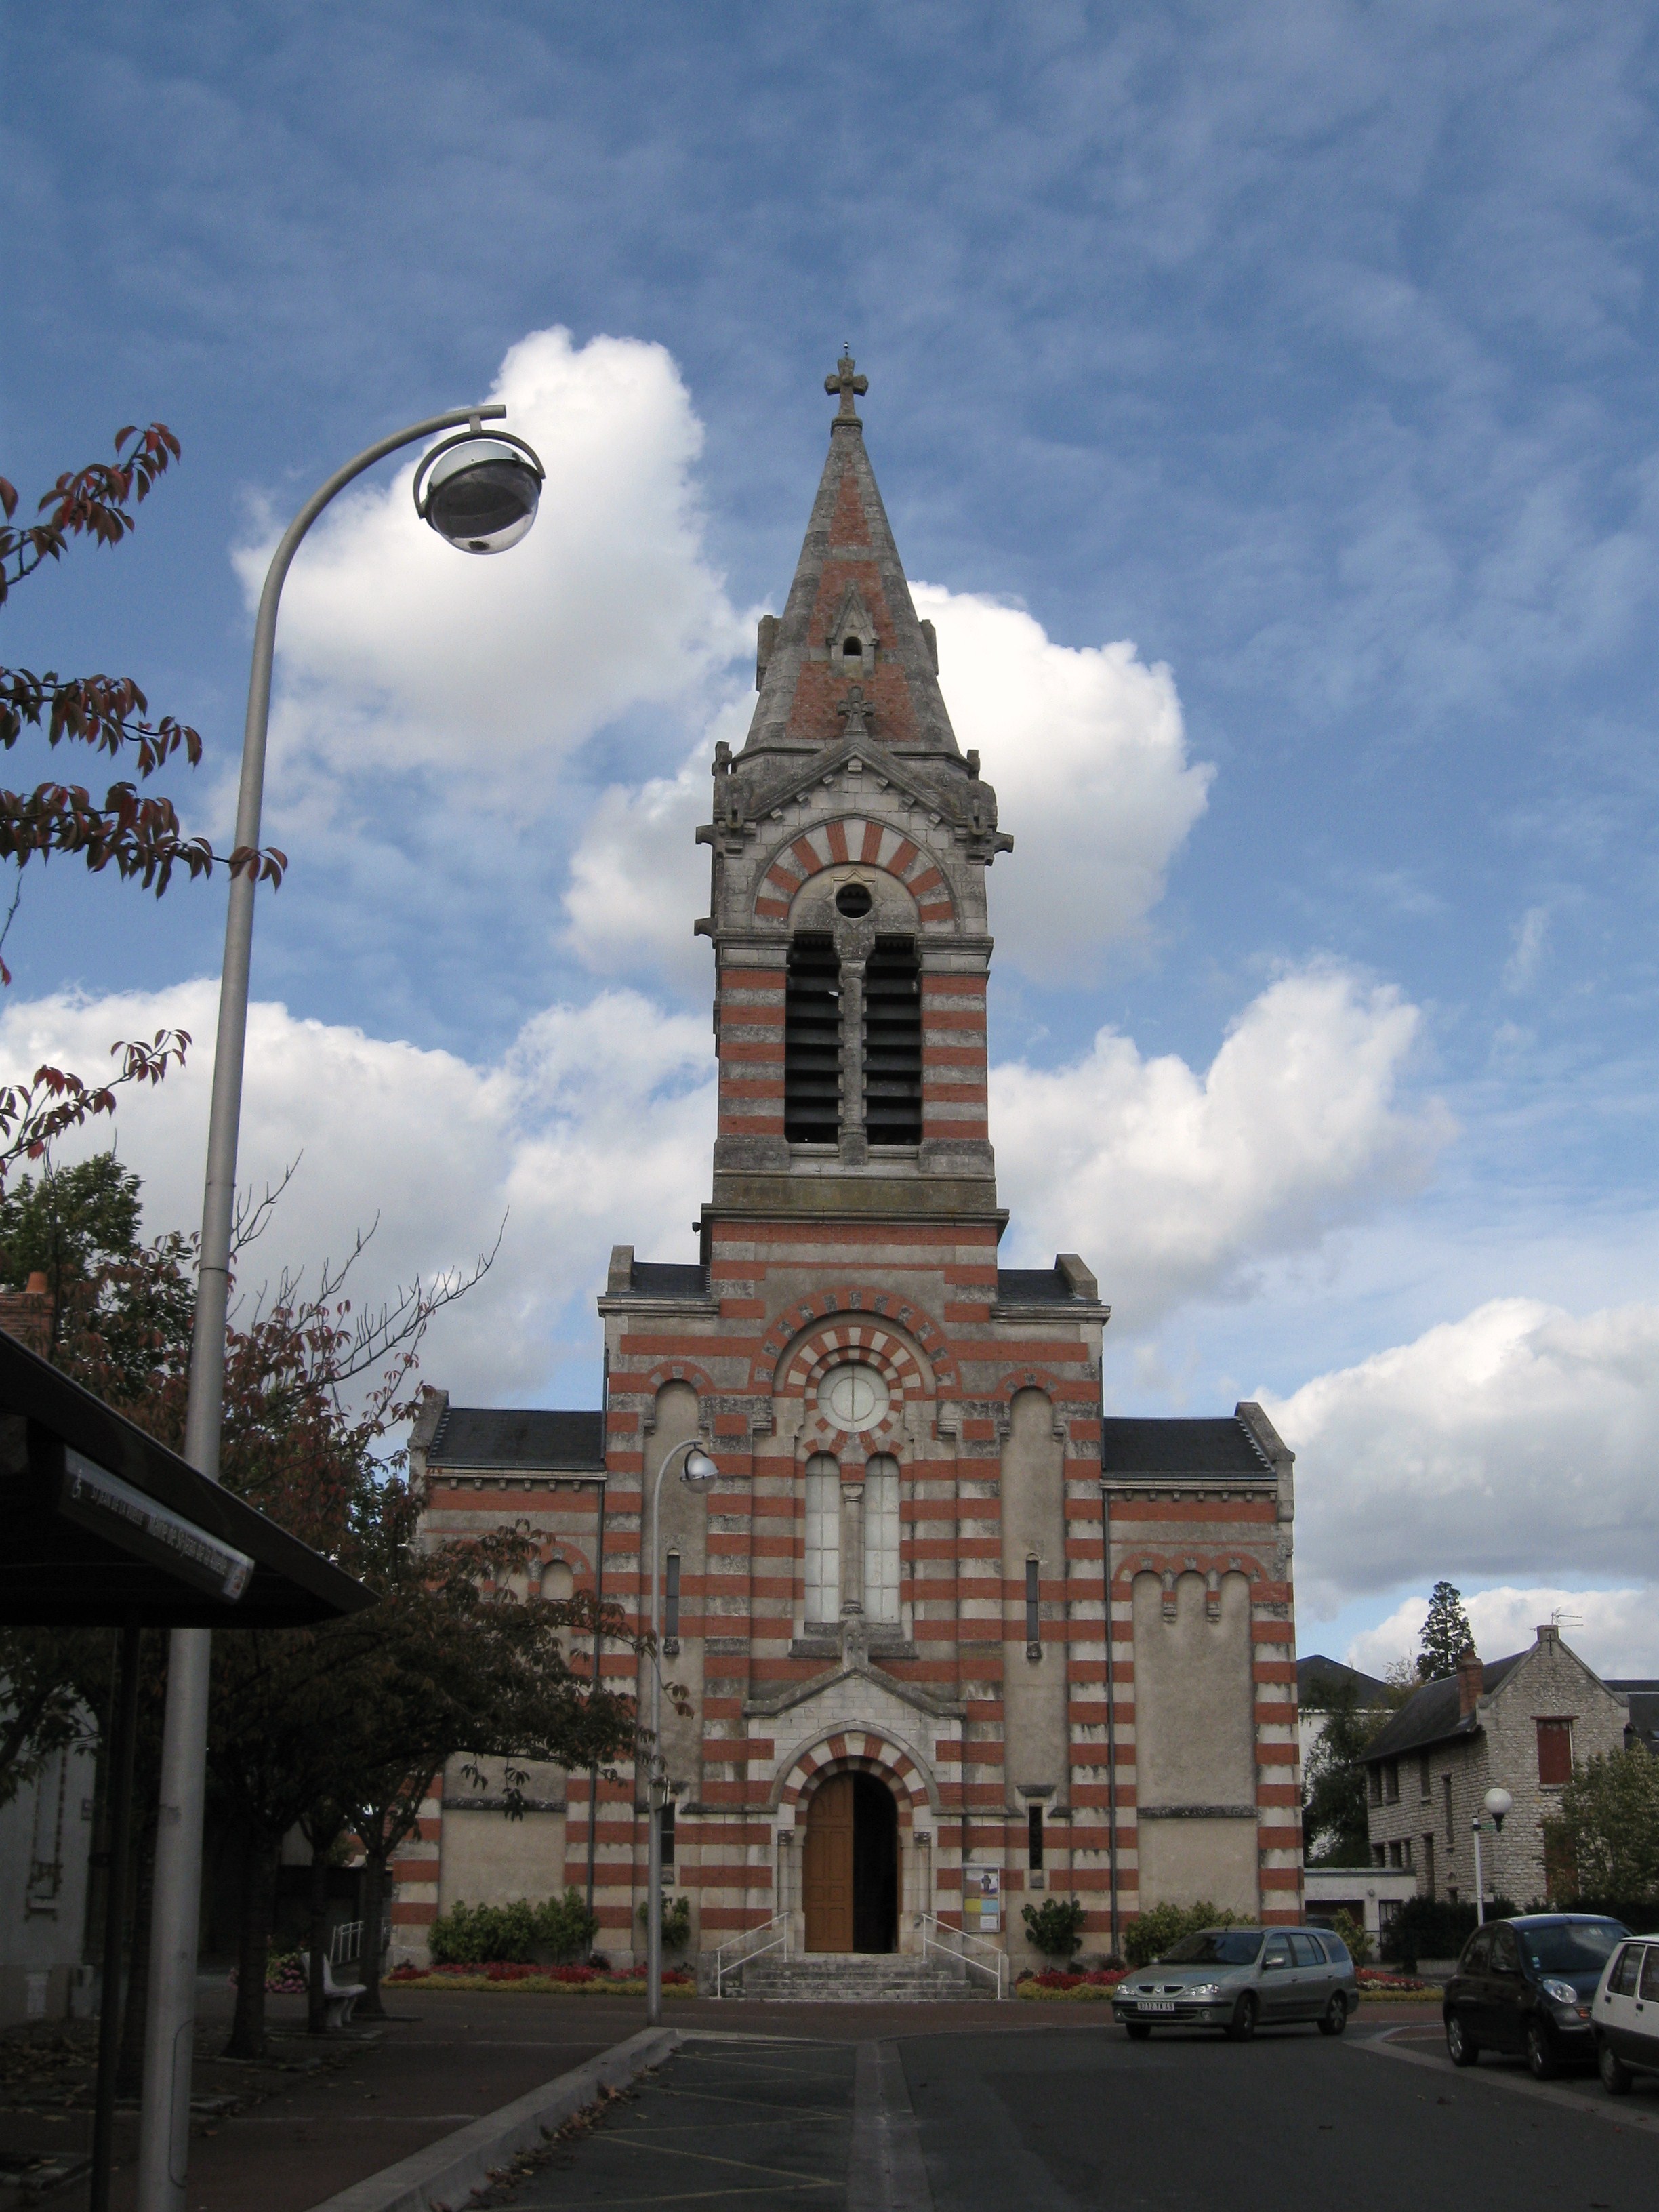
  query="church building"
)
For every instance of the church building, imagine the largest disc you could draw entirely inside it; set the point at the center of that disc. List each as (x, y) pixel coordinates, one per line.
(953, 1641)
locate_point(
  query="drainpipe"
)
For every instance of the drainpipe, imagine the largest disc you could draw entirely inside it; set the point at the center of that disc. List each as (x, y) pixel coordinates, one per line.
(1111, 1693)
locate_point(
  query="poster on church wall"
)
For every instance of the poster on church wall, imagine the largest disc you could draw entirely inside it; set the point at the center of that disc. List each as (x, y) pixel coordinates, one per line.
(981, 1900)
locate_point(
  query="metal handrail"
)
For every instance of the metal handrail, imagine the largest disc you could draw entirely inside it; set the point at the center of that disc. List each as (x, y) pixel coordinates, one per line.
(723, 1966)
(934, 1936)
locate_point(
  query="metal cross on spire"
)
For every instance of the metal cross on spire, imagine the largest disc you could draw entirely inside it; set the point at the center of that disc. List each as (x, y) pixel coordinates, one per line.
(842, 380)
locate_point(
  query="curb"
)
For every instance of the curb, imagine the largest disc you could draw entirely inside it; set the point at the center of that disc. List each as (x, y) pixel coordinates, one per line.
(441, 2178)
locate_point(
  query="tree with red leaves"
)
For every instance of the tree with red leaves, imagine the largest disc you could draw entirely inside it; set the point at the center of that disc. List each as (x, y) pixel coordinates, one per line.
(138, 835)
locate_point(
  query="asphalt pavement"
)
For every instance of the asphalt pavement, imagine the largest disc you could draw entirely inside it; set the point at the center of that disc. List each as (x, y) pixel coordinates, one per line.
(1074, 2118)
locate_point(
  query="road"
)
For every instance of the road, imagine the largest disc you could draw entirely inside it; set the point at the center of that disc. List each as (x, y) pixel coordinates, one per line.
(1076, 2118)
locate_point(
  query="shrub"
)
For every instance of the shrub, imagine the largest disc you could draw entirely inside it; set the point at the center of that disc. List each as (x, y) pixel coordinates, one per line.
(565, 1927)
(1435, 1928)
(1055, 1926)
(675, 1923)
(1163, 1925)
(476, 1935)
(1353, 1935)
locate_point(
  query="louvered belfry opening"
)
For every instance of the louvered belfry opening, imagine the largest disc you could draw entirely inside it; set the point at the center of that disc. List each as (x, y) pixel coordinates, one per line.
(892, 1043)
(811, 1041)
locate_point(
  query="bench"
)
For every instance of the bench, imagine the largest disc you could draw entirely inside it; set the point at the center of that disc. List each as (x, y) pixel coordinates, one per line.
(339, 1998)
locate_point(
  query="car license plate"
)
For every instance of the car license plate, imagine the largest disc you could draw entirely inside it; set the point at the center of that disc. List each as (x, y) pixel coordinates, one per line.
(1156, 2005)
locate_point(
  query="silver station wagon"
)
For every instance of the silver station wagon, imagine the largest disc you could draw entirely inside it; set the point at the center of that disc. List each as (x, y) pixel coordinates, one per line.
(1239, 1980)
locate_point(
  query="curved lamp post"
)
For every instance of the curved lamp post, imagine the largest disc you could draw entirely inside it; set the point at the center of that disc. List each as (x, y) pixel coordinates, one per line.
(480, 493)
(698, 1472)
(1499, 1803)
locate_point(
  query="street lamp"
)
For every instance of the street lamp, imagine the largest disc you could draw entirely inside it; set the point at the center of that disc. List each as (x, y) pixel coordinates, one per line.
(1499, 1803)
(484, 500)
(698, 1472)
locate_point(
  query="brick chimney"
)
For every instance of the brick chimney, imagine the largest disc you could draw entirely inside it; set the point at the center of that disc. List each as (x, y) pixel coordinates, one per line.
(1471, 1681)
(26, 1314)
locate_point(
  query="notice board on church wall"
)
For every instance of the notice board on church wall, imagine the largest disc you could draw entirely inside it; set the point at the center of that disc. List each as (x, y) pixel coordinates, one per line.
(981, 1900)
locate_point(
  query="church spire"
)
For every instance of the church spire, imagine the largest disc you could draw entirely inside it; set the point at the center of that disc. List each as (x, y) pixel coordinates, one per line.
(848, 655)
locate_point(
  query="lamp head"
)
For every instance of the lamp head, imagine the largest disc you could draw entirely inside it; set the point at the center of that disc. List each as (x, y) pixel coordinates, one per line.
(1497, 1802)
(479, 493)
(699, 1469)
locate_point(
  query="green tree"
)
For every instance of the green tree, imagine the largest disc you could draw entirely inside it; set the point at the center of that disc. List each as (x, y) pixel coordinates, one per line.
(1333, 1822)
(1055, 1926)
(67, 1222)
(1446, 1633)
(1605, 1830)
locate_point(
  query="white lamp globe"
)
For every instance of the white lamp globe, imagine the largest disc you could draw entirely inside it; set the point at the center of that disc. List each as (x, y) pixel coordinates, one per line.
(479, 493)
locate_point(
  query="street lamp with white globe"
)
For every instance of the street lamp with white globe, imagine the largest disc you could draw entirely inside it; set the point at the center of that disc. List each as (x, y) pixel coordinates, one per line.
(480, 496)
(1499, 1803)
(697, 1472)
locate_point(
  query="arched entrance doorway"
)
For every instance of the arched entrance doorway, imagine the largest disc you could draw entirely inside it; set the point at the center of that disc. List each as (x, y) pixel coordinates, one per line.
(849, 1870)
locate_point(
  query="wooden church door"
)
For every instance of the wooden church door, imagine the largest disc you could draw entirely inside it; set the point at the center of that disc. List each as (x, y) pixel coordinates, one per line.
(827, 1866)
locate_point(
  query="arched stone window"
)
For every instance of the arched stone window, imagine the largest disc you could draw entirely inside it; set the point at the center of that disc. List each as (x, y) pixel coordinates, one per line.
(881, 1539)
(822, 1538)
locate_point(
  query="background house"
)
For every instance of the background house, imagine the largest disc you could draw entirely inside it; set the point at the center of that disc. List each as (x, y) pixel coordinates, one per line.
(1521, 1723)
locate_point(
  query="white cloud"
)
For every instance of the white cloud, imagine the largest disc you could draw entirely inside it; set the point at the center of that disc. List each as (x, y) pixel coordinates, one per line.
(397, 652)
(1531, 939)
(1614, 1630)
(1087, 751)
(1177, 1184)
(1085, 748)
(593, 1129)
(1519, 1434)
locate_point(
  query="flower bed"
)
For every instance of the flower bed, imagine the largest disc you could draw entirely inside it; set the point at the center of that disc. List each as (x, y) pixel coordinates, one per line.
(545, 1981)
(1404, 1988)
(1057, 1981)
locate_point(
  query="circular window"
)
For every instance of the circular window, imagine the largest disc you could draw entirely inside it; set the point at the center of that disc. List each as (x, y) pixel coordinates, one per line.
(853, 900)
(854, 1397)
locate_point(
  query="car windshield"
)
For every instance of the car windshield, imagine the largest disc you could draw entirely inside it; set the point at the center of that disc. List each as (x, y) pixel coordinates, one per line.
(1216, 1946)
(1571, 1946)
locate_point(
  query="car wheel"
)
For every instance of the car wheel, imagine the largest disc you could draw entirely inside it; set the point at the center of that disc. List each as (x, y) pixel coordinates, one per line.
(1138, 2031)
(1541, 2062)
(1335, 2018)
(1242, 2027)
(1462, 2048)
(1615, 2074)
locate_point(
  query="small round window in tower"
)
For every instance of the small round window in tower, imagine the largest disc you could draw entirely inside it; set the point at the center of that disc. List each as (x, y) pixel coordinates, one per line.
(853, 900)
(854, 1397)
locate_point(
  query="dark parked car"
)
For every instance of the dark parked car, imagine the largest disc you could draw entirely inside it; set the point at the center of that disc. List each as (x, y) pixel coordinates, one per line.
(1527, 1986)
(1239, 1980)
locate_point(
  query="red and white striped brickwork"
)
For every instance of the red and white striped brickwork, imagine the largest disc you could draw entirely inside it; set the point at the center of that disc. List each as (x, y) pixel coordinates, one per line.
(814, 1255)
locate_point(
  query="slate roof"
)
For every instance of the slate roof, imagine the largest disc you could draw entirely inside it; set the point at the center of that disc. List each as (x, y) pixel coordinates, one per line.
(1431, 1716)
(1205, 1450)
(1644, 1723)
(508, 1437)
(669, 1279)
(1032, 1286)
(1317, 1676)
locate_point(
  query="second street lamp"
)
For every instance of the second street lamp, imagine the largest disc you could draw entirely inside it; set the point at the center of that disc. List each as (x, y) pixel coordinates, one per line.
(485, 501)
(698, 1472)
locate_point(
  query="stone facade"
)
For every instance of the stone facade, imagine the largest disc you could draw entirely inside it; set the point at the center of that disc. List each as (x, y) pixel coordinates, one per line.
(903, 1569)
(1508, 1723)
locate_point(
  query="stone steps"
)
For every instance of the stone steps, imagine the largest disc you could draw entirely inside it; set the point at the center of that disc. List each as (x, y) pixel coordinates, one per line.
(849, 1978)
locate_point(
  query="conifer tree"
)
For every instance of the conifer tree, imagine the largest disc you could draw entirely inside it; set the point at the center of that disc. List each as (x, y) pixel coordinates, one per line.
(1446, 1633)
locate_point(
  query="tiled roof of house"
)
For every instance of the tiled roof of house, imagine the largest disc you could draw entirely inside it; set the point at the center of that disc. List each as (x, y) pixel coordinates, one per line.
(1206, 1450)
(1317, 1677)
(1432, 1715)
(506, 1437)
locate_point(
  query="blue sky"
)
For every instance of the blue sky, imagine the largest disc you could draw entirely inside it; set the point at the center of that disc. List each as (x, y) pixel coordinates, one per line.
(1308, 347)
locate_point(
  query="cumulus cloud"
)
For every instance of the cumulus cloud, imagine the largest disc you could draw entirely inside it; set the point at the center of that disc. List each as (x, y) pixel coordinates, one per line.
(594, 1128)
(1085, 747)
(1518, 1434)
(1615, 1630)
(1087, 751)
(397, 652)
(1178, 1184)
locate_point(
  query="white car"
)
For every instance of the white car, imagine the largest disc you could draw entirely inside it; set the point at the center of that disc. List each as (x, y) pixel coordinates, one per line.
(1625, 2014)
